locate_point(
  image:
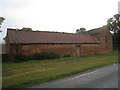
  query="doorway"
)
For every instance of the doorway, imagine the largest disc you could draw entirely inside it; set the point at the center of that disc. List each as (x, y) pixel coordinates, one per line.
(78, 50)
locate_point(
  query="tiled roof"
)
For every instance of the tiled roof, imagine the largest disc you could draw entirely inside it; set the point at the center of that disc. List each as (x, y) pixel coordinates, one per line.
(42, 37)
(97, 30)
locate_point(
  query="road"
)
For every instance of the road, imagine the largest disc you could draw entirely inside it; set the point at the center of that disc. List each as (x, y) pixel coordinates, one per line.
(105, 77)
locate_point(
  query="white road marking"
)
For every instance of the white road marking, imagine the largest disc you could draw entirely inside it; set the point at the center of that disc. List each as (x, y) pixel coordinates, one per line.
(84, 74)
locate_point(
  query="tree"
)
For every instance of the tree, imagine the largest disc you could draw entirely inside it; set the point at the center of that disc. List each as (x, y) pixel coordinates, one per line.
(77, 31)
(1, 21)
(114, 25)
(116, 40)
(80, 30)
(26, 29)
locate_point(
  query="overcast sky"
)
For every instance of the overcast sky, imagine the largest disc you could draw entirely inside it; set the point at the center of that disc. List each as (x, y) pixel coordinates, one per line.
(56, 15)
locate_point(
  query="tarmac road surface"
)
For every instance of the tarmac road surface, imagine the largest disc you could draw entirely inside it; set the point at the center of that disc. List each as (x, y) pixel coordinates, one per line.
(104, 77)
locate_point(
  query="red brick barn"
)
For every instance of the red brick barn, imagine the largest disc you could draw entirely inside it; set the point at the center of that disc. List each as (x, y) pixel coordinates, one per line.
(28, 42)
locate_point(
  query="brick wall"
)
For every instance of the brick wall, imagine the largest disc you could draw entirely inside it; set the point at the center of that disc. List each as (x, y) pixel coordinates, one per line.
(85, 49)
(103, 36)
(60, 49)
(72, 49)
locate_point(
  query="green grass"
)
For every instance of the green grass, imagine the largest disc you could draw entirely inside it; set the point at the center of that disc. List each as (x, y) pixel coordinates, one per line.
(33, 72)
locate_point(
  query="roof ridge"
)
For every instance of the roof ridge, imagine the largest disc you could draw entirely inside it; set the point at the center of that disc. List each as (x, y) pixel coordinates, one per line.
(53, 32)
(97, 28)
(40, 31)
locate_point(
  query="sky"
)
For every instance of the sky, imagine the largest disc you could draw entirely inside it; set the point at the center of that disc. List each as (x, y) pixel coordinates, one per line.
(119, 7)
(56, 15)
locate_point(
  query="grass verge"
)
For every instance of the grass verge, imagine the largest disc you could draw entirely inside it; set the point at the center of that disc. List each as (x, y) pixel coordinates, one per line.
(34, 72)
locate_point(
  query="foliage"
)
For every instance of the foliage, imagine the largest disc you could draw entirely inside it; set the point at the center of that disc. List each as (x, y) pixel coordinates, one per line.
(67, 55)
(45, 55)
(20, 57)
(4, 57)
(114, 25)
(34, 72)
(77, 31)
(80, 30)
(26, 29)
(36, 56)
(1, 20)
(116, 37)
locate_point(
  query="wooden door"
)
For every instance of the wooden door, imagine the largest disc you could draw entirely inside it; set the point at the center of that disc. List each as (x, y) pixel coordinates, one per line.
(78, 50)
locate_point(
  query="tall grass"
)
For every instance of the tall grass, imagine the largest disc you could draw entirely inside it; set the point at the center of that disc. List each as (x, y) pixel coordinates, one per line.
(34, 72)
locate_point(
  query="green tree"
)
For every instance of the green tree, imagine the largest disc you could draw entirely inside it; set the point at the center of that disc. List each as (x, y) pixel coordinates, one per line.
(77, 31)
(1, 21)
(114, 25)
(80, 30)
(26, 29)
(116, 40)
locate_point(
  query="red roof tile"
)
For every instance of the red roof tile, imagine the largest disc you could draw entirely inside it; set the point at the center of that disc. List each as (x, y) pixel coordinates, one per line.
(32, 37)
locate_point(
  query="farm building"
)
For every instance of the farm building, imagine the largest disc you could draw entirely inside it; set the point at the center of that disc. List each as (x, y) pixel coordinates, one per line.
(76, 44)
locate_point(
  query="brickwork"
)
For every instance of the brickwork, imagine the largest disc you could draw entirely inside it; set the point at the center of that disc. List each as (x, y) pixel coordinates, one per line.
(103, 36)
(60, 49)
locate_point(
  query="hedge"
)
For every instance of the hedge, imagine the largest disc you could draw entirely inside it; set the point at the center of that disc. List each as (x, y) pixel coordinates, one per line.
(36, 56)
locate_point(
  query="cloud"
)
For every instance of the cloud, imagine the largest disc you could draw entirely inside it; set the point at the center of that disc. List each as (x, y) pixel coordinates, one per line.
(58, 15)
(119, 7)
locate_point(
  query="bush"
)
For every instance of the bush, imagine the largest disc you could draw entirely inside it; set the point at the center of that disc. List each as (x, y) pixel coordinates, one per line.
(52, 55)
(4, 56)
(67, 55)
(45, 55)
(21, 57)
(18, 61)
(36, 56)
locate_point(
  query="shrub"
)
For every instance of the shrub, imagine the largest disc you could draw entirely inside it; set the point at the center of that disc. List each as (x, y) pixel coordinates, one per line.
(45, 55)
(67, 55)
(21, 57)
(52, 55)
(36, 56)
(4, 56)
(18, 61)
